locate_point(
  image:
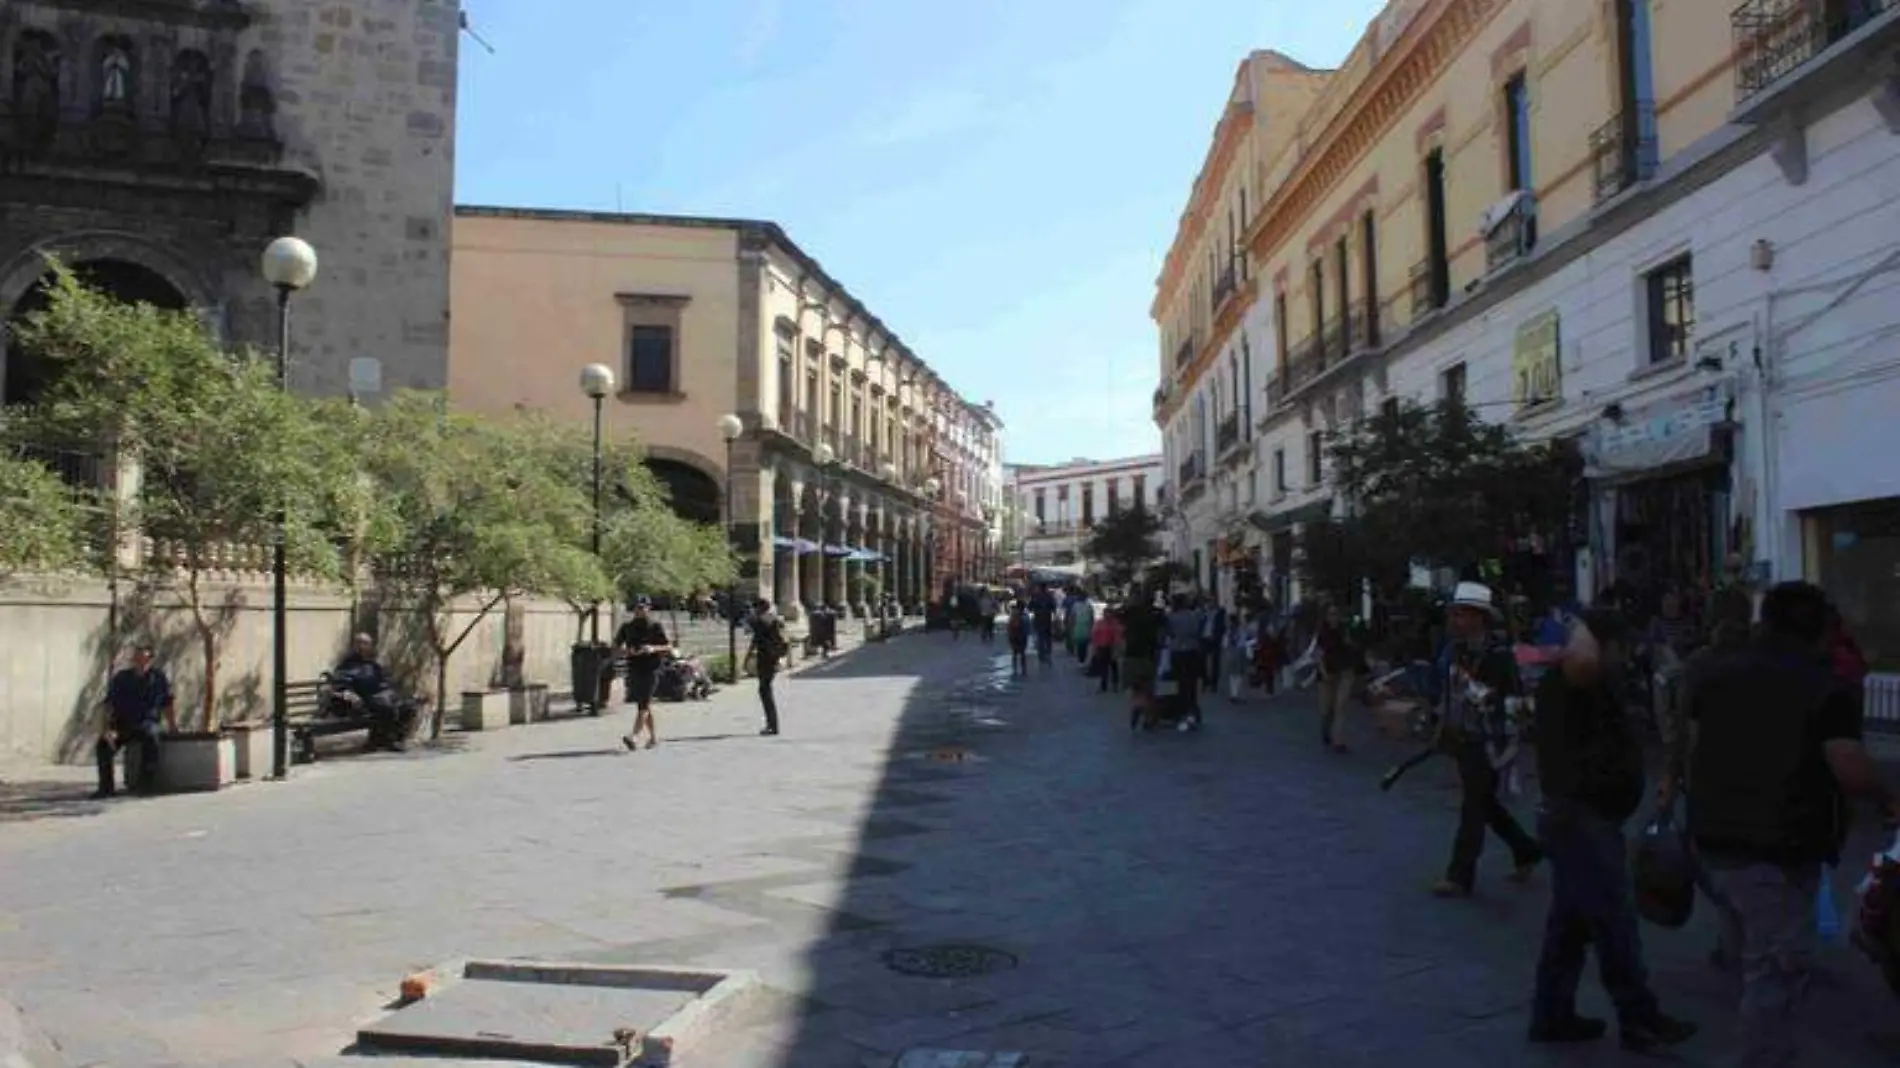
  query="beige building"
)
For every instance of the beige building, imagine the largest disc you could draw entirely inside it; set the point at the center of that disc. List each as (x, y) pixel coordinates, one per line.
(703, 317)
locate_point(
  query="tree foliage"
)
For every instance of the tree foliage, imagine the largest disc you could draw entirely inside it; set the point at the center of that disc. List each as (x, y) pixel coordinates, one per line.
(42, 524)
(221, 452)
(1436, 486)
(1125, 542)
(465, 509)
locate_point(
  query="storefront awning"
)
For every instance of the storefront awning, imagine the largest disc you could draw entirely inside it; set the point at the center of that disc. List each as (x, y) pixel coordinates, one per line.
(1310, 512)
(794, 545)
(1667, 434)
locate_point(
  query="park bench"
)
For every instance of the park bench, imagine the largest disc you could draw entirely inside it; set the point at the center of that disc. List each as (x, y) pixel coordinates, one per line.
(310, 716)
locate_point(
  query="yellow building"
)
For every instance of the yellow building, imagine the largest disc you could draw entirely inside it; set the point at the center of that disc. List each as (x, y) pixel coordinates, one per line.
(704, 317)
(1529, 205)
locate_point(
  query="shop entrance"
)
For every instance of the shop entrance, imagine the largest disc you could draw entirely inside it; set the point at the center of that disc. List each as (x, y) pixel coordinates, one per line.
(1668, 536)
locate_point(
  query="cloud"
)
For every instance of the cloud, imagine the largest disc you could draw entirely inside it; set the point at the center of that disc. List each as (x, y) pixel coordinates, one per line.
(931, 117)
(760, 30)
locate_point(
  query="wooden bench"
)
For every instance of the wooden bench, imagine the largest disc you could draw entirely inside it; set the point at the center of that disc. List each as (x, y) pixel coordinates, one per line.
(305, 710)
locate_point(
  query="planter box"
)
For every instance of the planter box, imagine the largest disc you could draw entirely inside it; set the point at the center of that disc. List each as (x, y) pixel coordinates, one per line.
(486, 710)
(527, 704)
(191, 763)
(251, 742)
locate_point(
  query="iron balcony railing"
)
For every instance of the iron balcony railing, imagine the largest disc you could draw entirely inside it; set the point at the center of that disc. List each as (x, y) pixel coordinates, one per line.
(1224, 286)
(1422, 289)
(1332, 346)
(1185, 354)
(1227, 435)
(1190, 471)
(1512, 237)
(1623, 151)
(1775, 38)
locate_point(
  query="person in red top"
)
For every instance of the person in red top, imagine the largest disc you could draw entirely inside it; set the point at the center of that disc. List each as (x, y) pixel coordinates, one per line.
(1105, 639)
(1850, 664)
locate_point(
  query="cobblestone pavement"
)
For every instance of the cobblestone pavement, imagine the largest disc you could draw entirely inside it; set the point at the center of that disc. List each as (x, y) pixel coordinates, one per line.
(1234, 898)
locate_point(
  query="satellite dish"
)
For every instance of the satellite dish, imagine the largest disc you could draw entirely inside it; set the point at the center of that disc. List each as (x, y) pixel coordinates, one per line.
(366, 376)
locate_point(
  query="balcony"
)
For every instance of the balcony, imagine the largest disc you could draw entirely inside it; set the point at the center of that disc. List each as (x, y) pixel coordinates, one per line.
(1332, 345)
(1224, 287)
(1775, 40)
(1510, 234)
(1623, 151)
(1190, 473)
(800, 427)
(1227, 436)
(1185, 354)
(1429, 289)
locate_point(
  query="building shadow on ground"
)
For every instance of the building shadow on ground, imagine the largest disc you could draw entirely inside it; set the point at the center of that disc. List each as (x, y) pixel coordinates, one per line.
(28, 801)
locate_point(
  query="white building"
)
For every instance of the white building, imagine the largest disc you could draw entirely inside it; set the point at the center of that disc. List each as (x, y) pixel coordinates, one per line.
(1059, 504)
(1722, 340)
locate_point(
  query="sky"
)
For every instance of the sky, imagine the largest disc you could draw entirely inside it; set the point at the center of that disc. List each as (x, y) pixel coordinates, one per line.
(996, 180)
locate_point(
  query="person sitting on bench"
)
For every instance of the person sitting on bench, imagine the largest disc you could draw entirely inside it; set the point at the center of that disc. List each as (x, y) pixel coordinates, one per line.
(361, 683)
(136, 699)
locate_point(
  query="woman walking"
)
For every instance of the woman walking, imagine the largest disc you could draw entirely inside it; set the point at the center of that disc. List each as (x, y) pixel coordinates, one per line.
(1104, 648)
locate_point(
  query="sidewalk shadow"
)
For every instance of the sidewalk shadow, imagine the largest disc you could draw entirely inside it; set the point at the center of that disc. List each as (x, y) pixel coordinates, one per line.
(31, 801)
(568, 754)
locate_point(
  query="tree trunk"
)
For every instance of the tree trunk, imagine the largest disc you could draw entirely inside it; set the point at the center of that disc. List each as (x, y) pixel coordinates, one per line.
(432, 624)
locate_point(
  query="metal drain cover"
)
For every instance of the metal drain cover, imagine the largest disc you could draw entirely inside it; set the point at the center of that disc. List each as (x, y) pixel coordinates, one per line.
(949, 961)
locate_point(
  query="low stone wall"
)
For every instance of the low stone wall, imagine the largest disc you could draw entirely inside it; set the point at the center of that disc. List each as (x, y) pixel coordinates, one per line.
(60, 638)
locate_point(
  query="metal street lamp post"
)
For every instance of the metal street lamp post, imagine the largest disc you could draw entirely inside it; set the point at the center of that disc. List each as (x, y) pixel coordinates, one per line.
(730, 427)
(597, 383)
(827, 468)
(289, 264)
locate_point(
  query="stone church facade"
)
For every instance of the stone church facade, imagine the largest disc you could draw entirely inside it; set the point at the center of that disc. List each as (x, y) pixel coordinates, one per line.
(159, 145)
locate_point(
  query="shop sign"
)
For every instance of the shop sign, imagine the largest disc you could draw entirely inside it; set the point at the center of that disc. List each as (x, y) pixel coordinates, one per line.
(1537, 361)
(1671, 432)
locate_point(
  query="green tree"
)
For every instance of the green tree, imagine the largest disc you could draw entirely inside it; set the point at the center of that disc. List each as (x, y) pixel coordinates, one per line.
(467, 509)
(42, 523)
(1125, 543)
(219, 448)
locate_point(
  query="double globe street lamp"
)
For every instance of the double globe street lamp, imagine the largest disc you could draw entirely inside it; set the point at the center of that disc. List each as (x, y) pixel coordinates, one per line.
(289, 264)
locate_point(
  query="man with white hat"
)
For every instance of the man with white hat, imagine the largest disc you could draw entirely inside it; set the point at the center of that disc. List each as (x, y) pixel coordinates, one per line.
(1475, 674)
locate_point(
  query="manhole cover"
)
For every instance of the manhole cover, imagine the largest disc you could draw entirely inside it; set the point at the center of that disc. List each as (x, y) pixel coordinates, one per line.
(949, 962)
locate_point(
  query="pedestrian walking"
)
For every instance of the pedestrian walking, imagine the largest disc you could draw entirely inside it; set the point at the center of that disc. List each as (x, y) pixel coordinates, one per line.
(1018, 631)
(1590, 764)
(1777, 756)
(986, 621)
(1475, 674)
(1237, 663)
(1337, 663)
(138, 702)
(1144, 635)
(1214, 624)
(643, 644)
(1081, 625)
(1042, 616)
(769, 646)
(1104, 641)
(1184, 656)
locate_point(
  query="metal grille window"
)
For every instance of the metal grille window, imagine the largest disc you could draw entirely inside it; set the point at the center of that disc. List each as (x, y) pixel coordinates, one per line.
(1671, 291)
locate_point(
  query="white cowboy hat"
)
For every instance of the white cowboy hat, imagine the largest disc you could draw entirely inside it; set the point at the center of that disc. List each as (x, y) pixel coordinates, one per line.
(1474, 595)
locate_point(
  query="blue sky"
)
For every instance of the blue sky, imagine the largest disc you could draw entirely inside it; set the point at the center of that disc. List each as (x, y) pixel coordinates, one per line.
(997, 180)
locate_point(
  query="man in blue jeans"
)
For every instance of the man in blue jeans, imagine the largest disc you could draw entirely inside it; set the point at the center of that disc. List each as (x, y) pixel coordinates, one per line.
(1590, 763)
(137, 698)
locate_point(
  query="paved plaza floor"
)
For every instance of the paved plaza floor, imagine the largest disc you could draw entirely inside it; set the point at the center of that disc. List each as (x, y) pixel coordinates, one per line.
(1233, 898)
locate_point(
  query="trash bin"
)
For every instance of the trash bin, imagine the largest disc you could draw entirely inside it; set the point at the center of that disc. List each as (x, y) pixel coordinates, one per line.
(591, 666)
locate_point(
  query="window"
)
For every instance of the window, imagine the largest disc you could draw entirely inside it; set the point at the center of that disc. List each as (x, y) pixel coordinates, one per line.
(1517, 133)
(1279, 330)
(1671, 311)
(857, 422)
(1451, 384)
(1279, 471)
(1369, 267)
(1062, 506)
(1344, 277)
(1088, 505)
(1315, 458)
(1389, 408)
(787, 386)
(1241, 256)
(813, 417)
(1635, 53)
(834, 411)
(1318, 286)
(1141, 491)
(651, 343)
(1114, 496)
(1042, 513)
(649, 359)
(1438, 254)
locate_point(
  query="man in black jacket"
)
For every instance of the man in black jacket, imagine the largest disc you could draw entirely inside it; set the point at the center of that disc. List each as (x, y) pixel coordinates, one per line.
(1777, 754)
(769, 647)
(1590, 763)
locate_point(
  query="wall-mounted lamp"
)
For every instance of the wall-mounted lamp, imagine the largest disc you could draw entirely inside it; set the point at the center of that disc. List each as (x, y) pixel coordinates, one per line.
(1761, 255)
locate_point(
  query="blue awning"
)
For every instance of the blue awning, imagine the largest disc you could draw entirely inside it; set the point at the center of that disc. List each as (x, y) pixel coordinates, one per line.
(838, 550)
(796, 545)
(864, 556)
(780, 541)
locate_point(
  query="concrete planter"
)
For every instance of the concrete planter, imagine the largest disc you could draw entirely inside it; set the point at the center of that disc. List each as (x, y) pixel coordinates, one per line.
(251, 743)
(489, 710)
(190, 763)
(527, 704)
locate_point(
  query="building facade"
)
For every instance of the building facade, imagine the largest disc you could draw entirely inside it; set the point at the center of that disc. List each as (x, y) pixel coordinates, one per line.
(1661, 231)
(704, 317)
(1058, 505)
(157, 148)
(1206, 301)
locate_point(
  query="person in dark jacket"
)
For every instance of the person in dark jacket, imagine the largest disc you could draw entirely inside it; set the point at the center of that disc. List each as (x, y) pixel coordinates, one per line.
(768, 651)
(360, 681)
(1590, 763)
(1777, 755)
(138, 701)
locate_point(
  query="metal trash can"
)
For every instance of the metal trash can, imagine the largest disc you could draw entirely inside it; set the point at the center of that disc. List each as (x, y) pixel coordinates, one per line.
(591, 667)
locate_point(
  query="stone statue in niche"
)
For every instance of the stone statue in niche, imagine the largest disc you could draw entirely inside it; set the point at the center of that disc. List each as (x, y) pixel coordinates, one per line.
(257, 108)
(36, 87)
(115, 76)
(191, 98)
